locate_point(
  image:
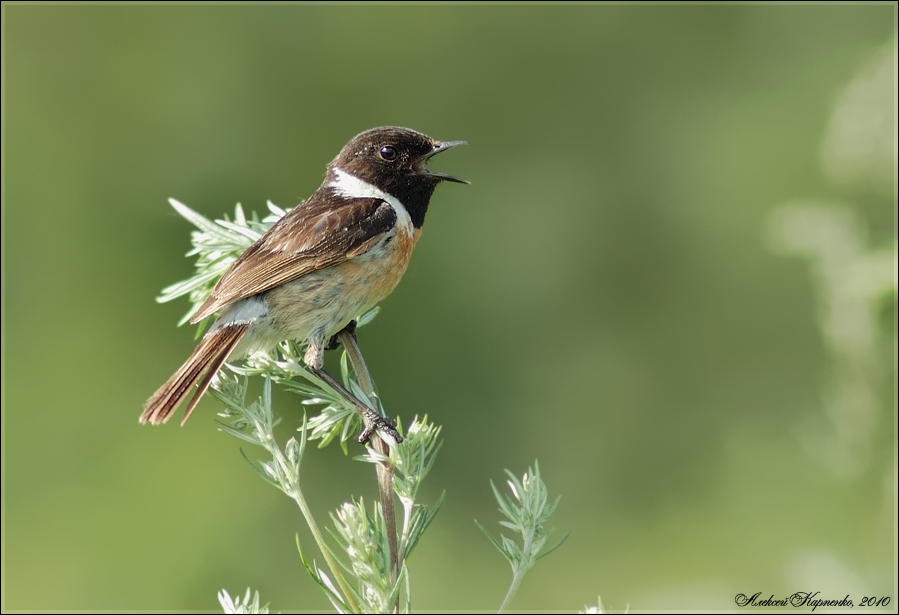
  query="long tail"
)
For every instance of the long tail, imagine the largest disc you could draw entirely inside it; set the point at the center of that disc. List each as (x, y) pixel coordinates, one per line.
(199, 369)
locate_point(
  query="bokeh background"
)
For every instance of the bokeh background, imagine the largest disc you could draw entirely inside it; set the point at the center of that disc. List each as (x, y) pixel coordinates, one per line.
(672, 281)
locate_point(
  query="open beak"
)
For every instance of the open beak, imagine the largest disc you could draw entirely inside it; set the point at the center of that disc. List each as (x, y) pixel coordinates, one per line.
(440, 146)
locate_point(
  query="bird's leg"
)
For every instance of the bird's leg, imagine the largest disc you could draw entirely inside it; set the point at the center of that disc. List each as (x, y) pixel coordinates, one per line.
(371, 420)
(334, 342)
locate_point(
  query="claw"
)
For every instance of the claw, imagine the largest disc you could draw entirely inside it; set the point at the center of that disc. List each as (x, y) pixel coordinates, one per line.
(375, 422)
(334, 342)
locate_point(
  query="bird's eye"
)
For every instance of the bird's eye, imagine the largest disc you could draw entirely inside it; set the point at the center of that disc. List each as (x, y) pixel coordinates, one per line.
(388, 153)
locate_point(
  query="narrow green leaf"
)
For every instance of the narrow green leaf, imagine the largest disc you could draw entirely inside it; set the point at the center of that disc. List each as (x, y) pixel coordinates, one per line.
(329, 589)
(203, 223)
(236, 433)
(495, 542)
(368, 316)
(275, 209)
(558, 544)
(261, 473)
(247, 232)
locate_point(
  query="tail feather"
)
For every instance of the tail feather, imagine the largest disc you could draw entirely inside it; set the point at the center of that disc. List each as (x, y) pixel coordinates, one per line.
(200, 367)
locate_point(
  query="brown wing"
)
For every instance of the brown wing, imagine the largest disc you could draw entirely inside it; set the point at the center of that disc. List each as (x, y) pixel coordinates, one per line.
(312, 236)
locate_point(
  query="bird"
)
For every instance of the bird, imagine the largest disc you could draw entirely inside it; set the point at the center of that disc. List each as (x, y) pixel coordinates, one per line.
(325, 262)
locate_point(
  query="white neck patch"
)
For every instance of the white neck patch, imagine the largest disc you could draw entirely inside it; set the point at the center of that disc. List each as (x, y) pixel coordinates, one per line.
(352, 187)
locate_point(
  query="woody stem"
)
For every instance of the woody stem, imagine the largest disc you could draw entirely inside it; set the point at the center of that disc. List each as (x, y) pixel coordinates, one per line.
(385, 470)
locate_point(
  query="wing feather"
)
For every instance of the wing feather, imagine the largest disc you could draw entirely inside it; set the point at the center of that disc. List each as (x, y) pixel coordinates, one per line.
(312, 236)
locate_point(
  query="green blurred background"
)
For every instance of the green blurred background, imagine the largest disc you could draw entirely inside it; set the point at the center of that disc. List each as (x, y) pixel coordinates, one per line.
(672, 281)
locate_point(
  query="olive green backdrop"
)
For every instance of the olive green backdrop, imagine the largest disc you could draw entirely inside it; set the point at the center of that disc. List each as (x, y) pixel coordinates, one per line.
(615, 294)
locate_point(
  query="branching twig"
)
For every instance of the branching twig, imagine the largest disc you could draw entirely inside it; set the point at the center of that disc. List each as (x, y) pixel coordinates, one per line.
(527, 510)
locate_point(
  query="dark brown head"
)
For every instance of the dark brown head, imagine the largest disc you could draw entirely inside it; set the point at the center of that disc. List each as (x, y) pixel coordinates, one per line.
(395, 160)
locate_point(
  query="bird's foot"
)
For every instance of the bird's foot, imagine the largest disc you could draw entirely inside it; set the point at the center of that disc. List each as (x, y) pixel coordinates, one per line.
(375, 422)
(334, 342)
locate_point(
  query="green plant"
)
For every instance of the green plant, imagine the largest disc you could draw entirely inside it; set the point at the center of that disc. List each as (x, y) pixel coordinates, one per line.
(365, 561)
(526, 510)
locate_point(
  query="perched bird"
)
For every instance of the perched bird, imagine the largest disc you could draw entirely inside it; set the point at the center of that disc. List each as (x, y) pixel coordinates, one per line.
(327, 261)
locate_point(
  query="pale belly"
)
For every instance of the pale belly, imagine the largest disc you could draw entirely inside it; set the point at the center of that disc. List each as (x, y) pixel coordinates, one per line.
(321, 303)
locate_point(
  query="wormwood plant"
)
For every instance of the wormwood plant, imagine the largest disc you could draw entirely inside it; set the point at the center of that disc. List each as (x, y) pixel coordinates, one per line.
(365, 568)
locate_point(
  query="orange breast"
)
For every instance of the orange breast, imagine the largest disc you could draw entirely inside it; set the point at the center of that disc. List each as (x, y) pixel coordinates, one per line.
(325, 300)
(376, 273)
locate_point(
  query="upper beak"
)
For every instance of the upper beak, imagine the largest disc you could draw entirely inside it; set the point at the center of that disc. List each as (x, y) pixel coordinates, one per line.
(440, 146)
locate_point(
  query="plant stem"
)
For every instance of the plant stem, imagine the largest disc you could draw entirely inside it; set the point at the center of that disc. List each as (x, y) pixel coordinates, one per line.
(385, 470)
(518, 571)
(298, 497)
(513, 589)
(332, 564)
(407, 522)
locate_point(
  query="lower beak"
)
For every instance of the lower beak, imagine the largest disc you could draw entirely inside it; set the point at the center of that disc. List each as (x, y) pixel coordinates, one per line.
(440, 146)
